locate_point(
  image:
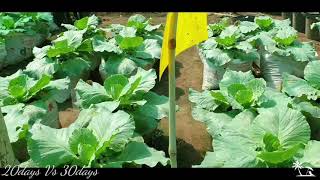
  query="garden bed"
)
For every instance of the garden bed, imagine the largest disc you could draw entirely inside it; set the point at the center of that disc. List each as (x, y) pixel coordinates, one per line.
(193, 139)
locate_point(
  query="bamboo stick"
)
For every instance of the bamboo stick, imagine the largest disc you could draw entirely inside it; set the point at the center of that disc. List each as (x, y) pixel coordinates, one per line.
(172, 94)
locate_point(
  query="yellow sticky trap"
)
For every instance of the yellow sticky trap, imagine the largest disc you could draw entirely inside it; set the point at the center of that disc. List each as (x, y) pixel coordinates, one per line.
(167, 35)
(191, 30)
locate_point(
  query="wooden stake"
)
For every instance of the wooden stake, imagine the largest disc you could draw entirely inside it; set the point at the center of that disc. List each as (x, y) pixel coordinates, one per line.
(6, 153)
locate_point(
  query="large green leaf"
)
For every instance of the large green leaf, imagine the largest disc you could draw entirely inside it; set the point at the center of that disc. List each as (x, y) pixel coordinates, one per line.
(129, 42)
(59, 48)
(264, 22)
(112, 130)
(19, 117)
(264, 40)
(18, 87)
(39, 85)
(213, 160)
(37, 68)
(228, 36)
(286, 36)
(152, 28)
(86, 46)
(247, 27)
(297, 87)
(100, 44)
(86, 22)
(288, 125)
(311, 74)
(73, 38)
(90, 94)
(232, 77)
(142, 81)
(128, 32)
(211, 43)
(302, 51)
(5, 97)
(309, 107)
(280, 156)
(213, 121)
(150, 49)
(40, 53)
(244, 46)
(238, 148)
(157, 106)
(58, 89)
(115, 84)
(204, 100)
(311, 154)
(83, 143)
(140, 153)
(272, 98)
(216, 57)
(119, 65)
(75, 67)
(257, 86)
(16, 124)
(48, 146)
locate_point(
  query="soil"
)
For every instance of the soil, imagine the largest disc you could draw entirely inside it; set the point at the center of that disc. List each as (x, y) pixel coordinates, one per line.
(193, 141)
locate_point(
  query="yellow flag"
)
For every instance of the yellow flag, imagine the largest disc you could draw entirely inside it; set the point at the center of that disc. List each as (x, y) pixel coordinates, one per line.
(191, 30)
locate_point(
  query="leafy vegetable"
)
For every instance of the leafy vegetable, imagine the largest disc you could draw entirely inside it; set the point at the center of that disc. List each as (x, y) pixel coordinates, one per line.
(27, 22)
(264, 22)
(127, 52)
(254, 126)
(272, 139)
(278, 37)
(70, 55)
(144, 28)
(309, 86)
(25, 101)
(238, 91)
(286, 36)
(306, 93)
(130, 94)
(230, 44)
(216, 28)
(98, 138)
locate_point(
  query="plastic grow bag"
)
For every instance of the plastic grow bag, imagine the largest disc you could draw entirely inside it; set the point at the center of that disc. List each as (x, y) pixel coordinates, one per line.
(17, 47)
(273, 66)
